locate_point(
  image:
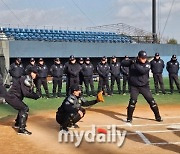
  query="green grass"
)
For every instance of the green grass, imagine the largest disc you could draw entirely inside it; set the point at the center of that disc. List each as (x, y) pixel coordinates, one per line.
(53, 103)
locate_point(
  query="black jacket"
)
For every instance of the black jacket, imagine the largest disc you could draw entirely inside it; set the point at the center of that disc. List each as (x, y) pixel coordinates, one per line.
(57, 70)
(28, 67)
(42, 71)
(72, 70)
(115, 69)
(72, 104)
(138, 72)
(20, 89)
(157, 66)
(16, 70)
(87, 70)
(172, 67)
(125, 70)
(103, 69)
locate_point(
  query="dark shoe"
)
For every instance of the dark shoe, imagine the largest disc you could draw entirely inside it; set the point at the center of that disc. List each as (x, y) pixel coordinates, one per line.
(129, 120)
(64, 129)
(159, 120)
(75, 126)
(16, 126)
(24, 132)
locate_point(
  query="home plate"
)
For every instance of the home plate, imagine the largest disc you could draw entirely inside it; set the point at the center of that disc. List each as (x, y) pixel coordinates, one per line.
(174, 126)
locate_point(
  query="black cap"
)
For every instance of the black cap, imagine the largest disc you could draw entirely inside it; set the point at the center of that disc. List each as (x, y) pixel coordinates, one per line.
(87, 59)
(126, 56)
(41, 59)
(142, 54)
(113, 57)
(81, 59)
(156, 54)
(32, 59)
(71, 57)
(56, 59)
(174, 57)
(75, 87)
(18, 59)
(104, 58)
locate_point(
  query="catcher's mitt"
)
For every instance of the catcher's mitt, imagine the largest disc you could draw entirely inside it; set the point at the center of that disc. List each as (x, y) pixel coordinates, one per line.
(100, 97)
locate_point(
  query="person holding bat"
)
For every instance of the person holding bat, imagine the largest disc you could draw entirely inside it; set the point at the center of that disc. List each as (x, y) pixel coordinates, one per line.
(139, 84)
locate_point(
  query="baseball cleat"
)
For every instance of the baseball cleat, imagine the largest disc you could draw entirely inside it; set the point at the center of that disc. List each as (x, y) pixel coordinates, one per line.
(129, 120)
(159, 120)
(24, 132)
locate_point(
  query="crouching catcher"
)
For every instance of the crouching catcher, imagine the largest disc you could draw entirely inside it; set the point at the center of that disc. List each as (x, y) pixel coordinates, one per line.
(14, 97)
(71, 110)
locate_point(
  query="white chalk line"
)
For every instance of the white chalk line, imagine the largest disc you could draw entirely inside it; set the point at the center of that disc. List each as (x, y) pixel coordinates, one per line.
(131, 125)
(144, 138)
(165, 143)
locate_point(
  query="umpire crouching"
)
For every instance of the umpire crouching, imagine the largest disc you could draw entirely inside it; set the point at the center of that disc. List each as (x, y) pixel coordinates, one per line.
(139, 84)
(14, 97)
(57, 73)
(71, 111)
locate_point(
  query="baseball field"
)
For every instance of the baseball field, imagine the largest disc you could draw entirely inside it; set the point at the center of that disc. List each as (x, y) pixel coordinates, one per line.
(144, 135)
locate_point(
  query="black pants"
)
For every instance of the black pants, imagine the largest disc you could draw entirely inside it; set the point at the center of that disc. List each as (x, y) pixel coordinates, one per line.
(89, 81)
(81, 79)
(42, 81)
(158, 80)
(15, 79)
(125, 82)
(103, 84)
(22, 108)
(117, 79)
(145, 91)
(67, 85)
(57, 81)
(173, 78)
(69, 119)
(71, 81)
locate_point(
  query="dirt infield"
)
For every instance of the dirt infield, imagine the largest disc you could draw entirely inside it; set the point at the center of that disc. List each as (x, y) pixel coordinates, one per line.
(144, 135)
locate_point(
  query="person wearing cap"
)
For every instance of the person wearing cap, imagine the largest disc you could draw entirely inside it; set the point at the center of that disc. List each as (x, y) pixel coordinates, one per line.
(32, 63)
(72, 69)
(57, 70)
(81, 77)
(173, 69)
(103, 70)
(157, 66)
(125, 72)
(87, 71)
(71, 109)
(139, 84)
(16, 70)
(42, 77)
(15, 96)
(115, 74)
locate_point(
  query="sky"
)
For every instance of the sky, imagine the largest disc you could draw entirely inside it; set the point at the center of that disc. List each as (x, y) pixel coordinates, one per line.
(79, 14)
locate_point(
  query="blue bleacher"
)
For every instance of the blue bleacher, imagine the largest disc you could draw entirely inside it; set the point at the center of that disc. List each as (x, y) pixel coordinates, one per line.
(64, 35)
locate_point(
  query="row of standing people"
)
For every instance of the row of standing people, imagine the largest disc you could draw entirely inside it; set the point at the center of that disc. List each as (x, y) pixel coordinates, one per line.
(82, 71)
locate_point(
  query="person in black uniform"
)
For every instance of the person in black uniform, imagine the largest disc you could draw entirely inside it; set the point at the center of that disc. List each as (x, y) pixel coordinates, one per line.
(115, 74)
(72, 69)
(125, 72)
(16, 70)
(71, 110)
(139, 84)
(2, 89)
(157, 65)
(81, 77)
(87, 72)
(103, 70)
(173, 68)
(32, 64)
(57, 70)
(14, 97)
(42, 77)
